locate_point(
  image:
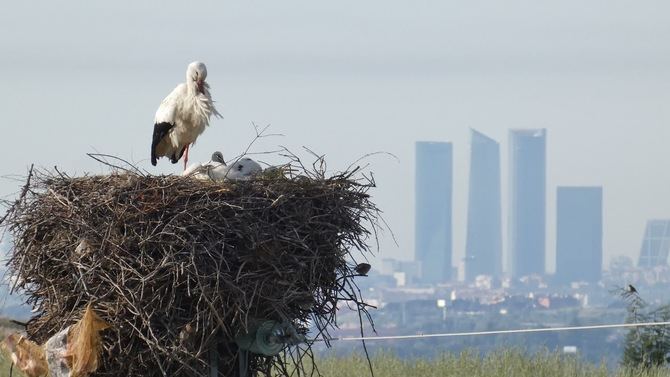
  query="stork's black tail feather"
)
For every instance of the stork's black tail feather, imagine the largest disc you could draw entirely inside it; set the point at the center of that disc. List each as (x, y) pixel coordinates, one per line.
(161, 130)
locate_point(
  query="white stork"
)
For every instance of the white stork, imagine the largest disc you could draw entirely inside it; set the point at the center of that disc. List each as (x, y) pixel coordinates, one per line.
(182, 116)
(208, 170)
(243, 169)
(217, 170)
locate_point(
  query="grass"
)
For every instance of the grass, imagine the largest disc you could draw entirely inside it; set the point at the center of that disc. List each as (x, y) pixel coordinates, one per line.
(498, 364)
(501, 363)
(5, 363)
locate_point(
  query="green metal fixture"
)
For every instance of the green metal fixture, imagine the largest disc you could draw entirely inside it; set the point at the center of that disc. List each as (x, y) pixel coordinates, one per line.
(268, 337)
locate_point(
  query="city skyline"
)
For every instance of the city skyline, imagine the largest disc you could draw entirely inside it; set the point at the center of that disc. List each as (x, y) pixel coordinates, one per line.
(579, 250)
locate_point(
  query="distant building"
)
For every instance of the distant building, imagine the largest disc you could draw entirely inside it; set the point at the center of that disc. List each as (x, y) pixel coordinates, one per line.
(404, 272)
(483, 248)
(433, 210)
(483, 282)
(579, 234)
(527, 186)
(388, 266)
(655, 244)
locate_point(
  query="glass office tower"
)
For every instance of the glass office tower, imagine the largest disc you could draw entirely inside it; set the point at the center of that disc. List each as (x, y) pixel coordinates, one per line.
(483, 248)
(527, 202)
(655, 244)
(579, 234)
(433, 210)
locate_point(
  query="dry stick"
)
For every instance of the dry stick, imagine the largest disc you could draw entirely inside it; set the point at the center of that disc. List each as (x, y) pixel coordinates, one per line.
(100, 157)
(259, 135)
(22, 196)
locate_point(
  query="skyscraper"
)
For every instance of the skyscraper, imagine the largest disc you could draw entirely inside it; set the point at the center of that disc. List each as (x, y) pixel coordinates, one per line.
(483, 248)
(433, 210)
(527, 182)
(655, 244)
(579, 234)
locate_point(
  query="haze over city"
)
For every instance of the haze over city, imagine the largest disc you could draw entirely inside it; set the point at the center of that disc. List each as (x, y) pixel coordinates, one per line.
(350, 78)
(519, 151)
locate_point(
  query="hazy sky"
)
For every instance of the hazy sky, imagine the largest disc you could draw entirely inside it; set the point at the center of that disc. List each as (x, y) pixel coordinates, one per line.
(349, 77)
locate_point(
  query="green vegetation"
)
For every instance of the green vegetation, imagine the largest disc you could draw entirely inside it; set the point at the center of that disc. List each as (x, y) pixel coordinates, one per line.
(5, 363)
(500, 363)
(646, 347)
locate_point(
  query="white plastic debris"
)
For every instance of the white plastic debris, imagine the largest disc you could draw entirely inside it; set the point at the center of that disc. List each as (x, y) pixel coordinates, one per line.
(55, 349)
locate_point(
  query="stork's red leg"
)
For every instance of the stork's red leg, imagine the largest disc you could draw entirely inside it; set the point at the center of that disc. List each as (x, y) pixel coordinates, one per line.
(186, 156)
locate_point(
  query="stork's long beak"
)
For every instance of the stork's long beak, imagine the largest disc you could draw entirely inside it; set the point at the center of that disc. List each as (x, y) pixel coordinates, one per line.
(201, 86)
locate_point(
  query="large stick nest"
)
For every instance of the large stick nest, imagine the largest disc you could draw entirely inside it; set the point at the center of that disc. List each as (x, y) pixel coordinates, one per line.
(179, 267)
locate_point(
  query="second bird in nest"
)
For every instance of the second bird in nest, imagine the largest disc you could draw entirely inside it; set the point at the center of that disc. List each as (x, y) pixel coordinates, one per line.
(217, 170)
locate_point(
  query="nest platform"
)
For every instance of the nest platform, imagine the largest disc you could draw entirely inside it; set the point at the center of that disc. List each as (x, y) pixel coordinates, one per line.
(179, 267)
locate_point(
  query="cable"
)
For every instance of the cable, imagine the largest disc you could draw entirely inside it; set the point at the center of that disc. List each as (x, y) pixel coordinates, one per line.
(547, 329)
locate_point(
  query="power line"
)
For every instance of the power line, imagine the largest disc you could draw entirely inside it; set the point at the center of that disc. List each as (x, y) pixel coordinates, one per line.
(496, 332)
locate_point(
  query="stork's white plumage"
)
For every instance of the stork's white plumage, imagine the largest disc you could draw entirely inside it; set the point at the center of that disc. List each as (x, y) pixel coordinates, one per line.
(182, 116)
(217, 170)
(243, 169)
(209, 170)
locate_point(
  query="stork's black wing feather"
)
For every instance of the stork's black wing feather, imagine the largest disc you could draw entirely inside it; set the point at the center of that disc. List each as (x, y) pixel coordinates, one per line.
(160, 131)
